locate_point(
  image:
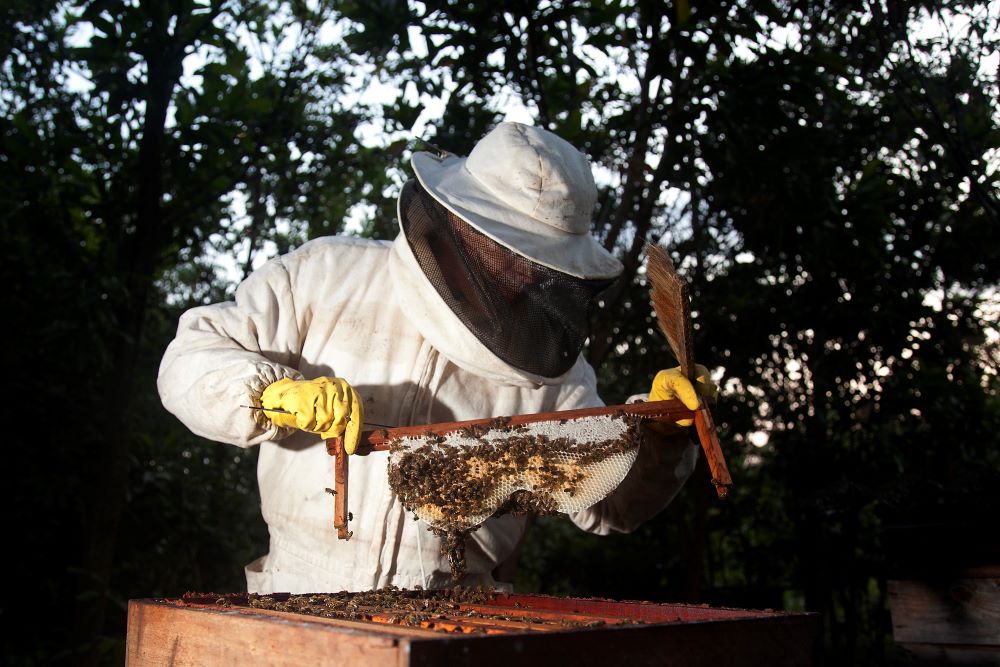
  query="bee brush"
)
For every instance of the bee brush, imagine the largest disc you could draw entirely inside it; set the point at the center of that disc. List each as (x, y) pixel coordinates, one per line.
(671, 299)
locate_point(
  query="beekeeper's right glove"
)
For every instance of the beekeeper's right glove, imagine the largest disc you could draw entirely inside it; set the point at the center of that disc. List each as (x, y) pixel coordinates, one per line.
(327, 406)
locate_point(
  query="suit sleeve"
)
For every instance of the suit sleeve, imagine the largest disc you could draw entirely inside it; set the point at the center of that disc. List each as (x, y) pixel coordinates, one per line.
(225, 354)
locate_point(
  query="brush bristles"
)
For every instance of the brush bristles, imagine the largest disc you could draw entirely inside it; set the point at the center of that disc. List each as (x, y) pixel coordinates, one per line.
(670, 296)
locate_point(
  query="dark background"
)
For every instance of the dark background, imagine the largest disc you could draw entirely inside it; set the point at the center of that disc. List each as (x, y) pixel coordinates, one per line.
(823, 173)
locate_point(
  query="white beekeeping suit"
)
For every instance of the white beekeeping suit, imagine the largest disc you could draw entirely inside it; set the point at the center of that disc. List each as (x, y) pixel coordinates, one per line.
(416, 349)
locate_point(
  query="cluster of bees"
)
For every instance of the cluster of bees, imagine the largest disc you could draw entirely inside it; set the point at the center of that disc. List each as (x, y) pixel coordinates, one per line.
(407, 607)
(452, 483)
(390, 604)
(453, 548)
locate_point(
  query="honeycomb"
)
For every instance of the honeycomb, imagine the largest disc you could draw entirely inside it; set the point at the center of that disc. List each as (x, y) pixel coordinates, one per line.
(458, 480)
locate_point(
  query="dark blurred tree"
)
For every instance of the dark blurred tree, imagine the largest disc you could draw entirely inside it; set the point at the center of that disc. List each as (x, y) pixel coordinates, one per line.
(856, 171)
(826, 176)
(134, 136)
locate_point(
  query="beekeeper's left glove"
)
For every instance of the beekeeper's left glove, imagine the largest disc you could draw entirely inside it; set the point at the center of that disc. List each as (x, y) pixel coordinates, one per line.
(671, 383)
(327, 406)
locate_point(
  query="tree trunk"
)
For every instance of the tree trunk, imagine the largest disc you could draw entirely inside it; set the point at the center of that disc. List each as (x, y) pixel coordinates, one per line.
(138, 257)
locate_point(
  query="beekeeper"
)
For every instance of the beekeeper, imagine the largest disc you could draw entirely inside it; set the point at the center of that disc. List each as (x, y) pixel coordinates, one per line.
(478, 308)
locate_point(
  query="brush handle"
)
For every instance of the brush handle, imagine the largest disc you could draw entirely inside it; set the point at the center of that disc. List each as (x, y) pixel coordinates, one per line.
(709, 439)
(708, 436)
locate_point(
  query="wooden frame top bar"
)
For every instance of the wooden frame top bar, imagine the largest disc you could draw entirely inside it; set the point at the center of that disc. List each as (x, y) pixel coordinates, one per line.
(668, 411)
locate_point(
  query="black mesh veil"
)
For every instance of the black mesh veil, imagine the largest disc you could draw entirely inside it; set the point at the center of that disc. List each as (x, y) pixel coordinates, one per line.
(530, 316)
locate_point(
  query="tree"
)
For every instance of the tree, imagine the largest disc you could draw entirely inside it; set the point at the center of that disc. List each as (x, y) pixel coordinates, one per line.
(845, 188)
(131, 133)
(827, 180)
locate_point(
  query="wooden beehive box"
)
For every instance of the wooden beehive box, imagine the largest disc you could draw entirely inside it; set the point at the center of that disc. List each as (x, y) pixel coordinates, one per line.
(493, 629)
(949, 619)
(944, 584)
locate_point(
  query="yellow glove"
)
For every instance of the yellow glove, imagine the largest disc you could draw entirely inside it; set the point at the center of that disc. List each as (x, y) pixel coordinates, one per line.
(327, 406)
(671, 383)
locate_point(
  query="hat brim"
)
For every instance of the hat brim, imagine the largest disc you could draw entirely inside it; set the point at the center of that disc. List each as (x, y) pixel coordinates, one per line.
(450, 183)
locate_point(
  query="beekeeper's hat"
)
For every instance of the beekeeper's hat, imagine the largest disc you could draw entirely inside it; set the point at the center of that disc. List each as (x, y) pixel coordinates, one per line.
(527, 189)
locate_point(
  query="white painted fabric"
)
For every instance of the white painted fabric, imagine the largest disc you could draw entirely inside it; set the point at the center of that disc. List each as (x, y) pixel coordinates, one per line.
(336, 307)
(528, 190)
